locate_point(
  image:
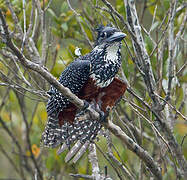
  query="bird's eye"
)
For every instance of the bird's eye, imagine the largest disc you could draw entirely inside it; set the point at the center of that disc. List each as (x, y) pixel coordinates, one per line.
(104, 34)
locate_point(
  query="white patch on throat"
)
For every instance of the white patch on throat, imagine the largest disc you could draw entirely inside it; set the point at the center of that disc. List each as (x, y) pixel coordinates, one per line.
(111, 53)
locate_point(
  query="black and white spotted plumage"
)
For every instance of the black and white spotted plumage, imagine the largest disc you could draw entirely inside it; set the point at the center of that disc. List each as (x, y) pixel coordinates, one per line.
(104, 69)
(87, 77)
(73, 77)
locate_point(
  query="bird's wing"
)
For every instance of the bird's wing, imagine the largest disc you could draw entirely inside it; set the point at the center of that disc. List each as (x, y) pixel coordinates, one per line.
(73, 77)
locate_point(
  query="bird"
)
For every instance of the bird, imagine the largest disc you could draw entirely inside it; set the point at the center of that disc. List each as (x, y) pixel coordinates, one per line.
(92, 78)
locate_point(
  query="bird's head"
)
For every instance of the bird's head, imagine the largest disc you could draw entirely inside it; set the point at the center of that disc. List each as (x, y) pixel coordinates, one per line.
(109, 36)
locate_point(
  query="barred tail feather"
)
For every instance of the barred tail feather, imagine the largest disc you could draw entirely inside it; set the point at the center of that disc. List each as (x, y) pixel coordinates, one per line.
(62, 148)
(81, 132)
(73, 151)
(52, 135)
(81, 152)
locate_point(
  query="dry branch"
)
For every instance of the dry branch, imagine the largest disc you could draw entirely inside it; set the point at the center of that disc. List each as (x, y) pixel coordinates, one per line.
(140, 152)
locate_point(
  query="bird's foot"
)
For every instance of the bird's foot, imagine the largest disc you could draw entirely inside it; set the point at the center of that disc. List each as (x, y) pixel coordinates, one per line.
(103, 116)
(82, 111)
(86, 105)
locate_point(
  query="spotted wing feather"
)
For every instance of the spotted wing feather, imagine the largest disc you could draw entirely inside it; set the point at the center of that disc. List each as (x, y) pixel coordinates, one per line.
(73, 77)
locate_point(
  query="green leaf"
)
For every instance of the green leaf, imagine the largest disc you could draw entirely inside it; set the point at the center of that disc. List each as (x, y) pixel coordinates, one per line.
(2, 45)
(51, 12)
(149, 44)
(64, 7)
(50, 160)
(94, 2)
(64, 26)
(53, 15)
(55, 31)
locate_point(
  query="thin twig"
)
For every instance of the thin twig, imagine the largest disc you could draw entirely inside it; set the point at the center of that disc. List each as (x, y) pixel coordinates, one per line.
(16, 143)
(9, 159)
(22, 104)
(140, 152)
(24, 25)
(14, 16)
(81, 176)
(75, 12)
(94, 161)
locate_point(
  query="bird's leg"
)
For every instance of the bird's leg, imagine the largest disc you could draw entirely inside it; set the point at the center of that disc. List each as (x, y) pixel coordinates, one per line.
(83, 110)
(86, 105)
(103, 114)
(99, 101)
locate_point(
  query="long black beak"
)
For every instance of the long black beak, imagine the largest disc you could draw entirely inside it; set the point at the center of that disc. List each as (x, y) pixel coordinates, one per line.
(116, 37)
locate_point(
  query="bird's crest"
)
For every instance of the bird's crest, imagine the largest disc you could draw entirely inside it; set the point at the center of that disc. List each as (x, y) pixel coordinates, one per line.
(99, 29)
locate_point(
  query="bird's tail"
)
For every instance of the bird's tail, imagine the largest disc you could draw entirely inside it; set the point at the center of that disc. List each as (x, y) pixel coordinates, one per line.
(52, 135)
(79, 133)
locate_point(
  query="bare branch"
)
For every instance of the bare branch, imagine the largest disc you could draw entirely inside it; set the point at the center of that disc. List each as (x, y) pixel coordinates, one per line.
(75, 12)
(15, 18)
(81, 176)
(171, 48)
(24, 25)
(140, 152)
(94, 161)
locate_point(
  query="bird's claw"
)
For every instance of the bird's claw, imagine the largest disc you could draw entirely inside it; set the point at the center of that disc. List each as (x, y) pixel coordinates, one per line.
(103, 116)
(86, 105)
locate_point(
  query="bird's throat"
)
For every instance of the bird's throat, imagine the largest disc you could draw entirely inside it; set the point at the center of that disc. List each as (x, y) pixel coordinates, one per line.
(112, 53)
(106, 64)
